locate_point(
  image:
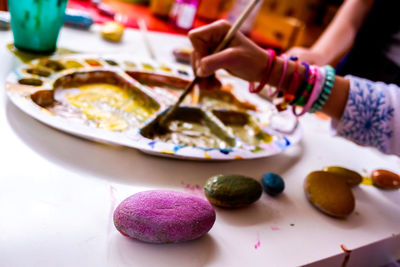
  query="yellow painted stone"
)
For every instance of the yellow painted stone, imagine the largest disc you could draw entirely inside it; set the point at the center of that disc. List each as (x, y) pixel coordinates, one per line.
(112, 31)
(351, 177)
(329, 193)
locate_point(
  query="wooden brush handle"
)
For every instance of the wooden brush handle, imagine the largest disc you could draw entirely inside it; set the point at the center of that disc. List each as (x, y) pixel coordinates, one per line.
(236, 26)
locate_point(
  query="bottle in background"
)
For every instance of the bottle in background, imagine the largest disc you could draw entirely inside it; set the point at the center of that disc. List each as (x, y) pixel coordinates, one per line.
(237, 8)
(183, 13)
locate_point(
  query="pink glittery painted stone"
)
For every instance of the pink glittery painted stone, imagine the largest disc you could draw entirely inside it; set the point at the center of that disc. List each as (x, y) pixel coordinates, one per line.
(160, 216)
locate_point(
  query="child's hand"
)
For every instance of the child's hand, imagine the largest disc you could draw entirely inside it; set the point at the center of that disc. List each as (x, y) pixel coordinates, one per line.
(241, 58)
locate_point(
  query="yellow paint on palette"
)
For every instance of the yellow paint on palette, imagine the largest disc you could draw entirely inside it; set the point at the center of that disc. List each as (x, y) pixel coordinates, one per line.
(366, 181)
(72, 64)
(147, 66)
(165, 68)
(167, 152)
(238, 157)
(206, 155)
(267, 138)
(102, 103)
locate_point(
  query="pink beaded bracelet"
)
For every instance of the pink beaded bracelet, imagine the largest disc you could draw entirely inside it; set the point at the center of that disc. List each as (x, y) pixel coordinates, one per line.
(319, 84)
(311, 81)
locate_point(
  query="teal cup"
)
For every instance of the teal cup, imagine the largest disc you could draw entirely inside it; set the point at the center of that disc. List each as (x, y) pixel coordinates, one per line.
(36, 23)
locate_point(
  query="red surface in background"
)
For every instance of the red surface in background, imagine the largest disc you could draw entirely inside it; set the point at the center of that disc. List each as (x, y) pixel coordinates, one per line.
(131, 12)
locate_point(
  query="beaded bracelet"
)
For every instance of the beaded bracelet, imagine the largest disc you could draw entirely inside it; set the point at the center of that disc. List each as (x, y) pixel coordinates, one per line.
(319, 79)
(308, 88)
(327, 88)
(264, 81)
(303, 86)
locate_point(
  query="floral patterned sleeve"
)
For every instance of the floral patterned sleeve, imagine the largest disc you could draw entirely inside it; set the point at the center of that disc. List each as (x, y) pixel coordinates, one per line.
(372, 115)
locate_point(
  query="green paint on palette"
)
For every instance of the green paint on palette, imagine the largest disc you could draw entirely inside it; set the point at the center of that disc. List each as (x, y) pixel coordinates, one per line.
(40, 71)
(257, 149)
(111, 62)
(26, 57)
(30, 81)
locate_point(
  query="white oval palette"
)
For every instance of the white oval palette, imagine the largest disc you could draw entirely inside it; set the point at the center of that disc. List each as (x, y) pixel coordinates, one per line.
(117, 98)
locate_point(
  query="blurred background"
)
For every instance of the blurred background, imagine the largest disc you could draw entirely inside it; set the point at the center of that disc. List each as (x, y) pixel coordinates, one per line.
(279, 24)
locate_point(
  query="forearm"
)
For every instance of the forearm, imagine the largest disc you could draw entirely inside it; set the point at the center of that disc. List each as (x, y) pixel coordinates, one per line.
(338, 38)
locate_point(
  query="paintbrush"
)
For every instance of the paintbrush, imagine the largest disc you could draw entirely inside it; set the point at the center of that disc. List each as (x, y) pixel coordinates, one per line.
(227, 38)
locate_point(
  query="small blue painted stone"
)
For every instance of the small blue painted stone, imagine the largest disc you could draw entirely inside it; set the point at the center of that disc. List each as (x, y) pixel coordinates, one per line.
(272, 183)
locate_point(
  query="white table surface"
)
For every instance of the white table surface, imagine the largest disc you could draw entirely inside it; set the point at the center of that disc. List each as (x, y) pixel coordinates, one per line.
(58, 193)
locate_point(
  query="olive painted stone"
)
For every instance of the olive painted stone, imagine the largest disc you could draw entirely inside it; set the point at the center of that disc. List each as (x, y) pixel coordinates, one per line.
(232, 191)
(385, 179)
(161, 216)
(352, 178)
(272, 183)
(329, 193)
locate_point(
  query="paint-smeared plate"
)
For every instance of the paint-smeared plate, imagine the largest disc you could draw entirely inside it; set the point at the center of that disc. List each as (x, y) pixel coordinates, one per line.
(117, 98)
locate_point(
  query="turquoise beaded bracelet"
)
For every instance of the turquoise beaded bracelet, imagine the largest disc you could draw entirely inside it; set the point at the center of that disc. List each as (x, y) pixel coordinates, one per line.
(326, 91)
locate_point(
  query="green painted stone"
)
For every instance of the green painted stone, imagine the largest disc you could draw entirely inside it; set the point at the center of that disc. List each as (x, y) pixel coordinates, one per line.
(232, 191)
(351, 177)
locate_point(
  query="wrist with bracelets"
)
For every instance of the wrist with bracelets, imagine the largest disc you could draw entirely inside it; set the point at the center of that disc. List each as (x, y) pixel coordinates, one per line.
(311, 93)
